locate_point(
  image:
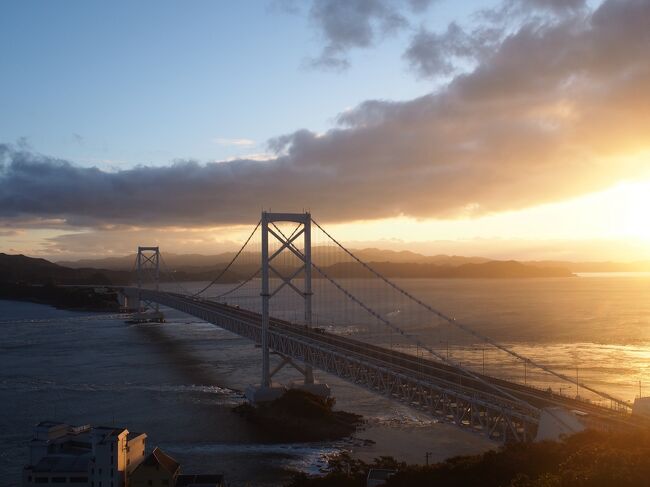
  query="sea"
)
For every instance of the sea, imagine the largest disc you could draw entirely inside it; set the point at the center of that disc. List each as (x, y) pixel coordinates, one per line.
(179, 381)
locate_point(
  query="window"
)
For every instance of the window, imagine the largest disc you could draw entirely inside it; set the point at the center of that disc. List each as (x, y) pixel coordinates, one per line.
(149, 482)
(79, 480)
(41, 480)
(58, 480)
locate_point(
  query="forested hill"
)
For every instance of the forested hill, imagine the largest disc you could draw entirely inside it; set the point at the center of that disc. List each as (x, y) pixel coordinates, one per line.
(29, 270)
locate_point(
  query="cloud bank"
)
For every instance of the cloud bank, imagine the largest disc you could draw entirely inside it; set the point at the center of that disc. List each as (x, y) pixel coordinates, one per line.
(345, 25)
(556, 109)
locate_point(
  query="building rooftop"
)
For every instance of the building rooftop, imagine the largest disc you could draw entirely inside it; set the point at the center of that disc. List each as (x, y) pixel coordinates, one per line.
(158, 457)
(109, 430)
(133, 435)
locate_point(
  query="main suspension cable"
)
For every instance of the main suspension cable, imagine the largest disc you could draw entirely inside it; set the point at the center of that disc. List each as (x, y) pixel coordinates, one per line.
(413, 338)
(469, 330)
(238, 286)
(214, 281)
(171, 274)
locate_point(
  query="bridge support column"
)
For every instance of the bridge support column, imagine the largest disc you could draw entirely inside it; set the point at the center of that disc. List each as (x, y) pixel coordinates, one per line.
(266, 376)
(148, 271)
(148, 268)
(307, 293)
(269, 228)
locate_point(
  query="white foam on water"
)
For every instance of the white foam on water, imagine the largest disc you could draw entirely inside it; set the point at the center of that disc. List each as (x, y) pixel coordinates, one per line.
(36, 385)
(310, 458)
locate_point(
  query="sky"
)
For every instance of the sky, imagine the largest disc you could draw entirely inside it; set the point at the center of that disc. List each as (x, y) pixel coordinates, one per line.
(502, 128)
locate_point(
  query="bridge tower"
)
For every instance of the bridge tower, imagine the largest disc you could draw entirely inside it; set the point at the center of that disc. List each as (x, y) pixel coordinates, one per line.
(271, 231)
(148, 271)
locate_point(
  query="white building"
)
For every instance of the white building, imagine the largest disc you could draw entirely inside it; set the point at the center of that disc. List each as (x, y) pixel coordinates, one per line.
(82, 456)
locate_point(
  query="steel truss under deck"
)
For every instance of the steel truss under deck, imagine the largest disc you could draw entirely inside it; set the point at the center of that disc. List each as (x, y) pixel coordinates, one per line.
(475, 410)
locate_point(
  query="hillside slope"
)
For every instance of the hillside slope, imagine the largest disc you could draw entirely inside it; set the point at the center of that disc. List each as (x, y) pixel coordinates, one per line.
(29, 270)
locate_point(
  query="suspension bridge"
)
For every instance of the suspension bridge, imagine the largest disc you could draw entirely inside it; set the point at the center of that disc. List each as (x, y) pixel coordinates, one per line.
(322, 307)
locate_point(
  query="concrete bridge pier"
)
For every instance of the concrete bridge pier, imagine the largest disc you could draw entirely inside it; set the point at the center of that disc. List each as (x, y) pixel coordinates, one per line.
(131, 302)
(274, 390)
(128, 303)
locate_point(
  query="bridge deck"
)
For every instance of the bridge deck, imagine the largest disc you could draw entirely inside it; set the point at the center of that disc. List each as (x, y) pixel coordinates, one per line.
(446, 392)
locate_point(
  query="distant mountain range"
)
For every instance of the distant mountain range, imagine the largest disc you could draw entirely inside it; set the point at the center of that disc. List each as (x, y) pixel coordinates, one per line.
(23, 269)
(196, 267)
(195, 262)
(322, 254)
(491, 269)
(28, 270)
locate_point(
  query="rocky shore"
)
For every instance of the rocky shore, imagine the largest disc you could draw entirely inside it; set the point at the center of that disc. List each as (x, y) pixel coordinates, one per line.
(300, 416)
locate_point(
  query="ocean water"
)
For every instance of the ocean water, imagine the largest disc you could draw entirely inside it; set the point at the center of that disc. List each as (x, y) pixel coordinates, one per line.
(179, 381)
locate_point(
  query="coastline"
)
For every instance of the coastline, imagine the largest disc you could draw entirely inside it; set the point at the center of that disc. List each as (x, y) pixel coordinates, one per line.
(65, 298)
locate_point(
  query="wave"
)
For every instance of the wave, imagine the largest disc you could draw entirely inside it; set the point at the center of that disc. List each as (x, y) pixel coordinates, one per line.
(42, 385)
(311, 458)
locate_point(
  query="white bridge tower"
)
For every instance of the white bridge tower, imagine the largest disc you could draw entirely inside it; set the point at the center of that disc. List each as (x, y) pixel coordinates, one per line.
(148, 273)
(270, 230)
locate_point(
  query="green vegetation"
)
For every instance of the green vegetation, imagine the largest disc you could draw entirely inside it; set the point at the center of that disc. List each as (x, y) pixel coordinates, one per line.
(301, 416)
(19, 269)
(587, 459)
(345, 471)
(38, 280)
(87, 299)
(29, 270)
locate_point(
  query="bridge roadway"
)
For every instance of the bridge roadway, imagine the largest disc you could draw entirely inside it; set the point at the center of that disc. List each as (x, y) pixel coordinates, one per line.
(447, 393)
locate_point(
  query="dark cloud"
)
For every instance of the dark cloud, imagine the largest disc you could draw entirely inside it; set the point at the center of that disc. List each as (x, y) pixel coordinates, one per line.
(345, 24)
(436, 54)
(509, 10)
(555, 111)
(430, 54)
(555, 6)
